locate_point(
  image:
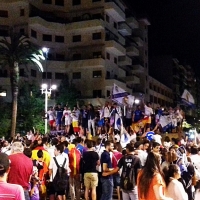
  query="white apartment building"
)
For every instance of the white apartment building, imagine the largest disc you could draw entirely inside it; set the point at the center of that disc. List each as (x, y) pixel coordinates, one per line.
(95, 42)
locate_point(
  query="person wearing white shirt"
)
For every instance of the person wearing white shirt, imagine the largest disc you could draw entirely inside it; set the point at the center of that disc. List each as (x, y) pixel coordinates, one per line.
(68, 118)
(175, 189)
(148, 111)
(157, 137)
(61, 159)
(140, 153)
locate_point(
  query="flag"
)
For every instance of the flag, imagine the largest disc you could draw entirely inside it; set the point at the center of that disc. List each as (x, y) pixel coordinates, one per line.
(140, 124)
(120, 96)
(187, 98)
(165, 120)
(118, 122)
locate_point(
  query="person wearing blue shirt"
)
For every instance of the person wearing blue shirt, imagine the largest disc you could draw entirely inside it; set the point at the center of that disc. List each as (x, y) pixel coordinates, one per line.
(59, 114)
(106, 165)
(138, 114)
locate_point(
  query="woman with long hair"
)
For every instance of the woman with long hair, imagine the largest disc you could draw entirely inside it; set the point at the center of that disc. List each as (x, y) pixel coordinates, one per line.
(150, 181)
(175, 189)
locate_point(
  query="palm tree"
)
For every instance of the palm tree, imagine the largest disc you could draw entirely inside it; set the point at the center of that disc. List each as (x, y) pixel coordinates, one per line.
(14, 51)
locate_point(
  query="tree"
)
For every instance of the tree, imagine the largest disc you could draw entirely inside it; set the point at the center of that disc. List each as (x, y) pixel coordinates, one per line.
(67, 94)
(31, 109)
(16, 50)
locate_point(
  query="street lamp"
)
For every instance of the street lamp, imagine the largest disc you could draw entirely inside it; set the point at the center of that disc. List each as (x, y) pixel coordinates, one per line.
(47, 91)
(136, 101)
(45, 50)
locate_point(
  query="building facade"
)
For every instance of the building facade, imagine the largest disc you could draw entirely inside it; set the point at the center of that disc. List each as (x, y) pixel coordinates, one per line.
(97, 43)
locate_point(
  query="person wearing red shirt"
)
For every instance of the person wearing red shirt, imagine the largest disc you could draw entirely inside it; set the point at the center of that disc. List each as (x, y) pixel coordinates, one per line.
(21, 168)
(8, 191)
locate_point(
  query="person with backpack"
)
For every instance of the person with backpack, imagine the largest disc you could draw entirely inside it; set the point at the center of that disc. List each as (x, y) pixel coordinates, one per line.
(130, 165)
(58, 174)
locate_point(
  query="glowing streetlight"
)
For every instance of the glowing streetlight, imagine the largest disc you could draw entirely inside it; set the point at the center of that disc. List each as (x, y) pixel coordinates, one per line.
(137, 101)
(47, 91)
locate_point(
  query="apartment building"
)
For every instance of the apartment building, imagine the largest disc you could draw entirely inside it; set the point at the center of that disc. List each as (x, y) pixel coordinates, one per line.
(95, 42)
(160, 94)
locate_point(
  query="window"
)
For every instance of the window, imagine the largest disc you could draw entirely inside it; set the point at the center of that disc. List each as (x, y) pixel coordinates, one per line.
(155, 100)
(97, 54)
(107, 18)
(76, 19)
(115, 60)
(47, 75)
(59, 75)
(59, 39)
(4, 32)
(151, 98)
(77, 56)
(150, 85)
(59, 2)
(146, 91)
(77, 38)
(76, 2)
(33, 33)
(22, 12)
(60, 57)
(107, 74)
(115, 25)
(76, 75)
(97, 16)
(146, 52)
(21, 72)
(47, 37)
(22, 31)
(3, 73)
(4, 13)
(107, 93)
(146, 65)
(33, 73)
(108, 56)
(47, 1)
(95, 0)
(96, 36)
(97, 74)
(96, 93)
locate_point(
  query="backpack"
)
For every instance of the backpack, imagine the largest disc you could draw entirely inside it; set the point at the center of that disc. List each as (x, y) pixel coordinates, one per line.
(74, 161)
(128, 173)
(60, 180)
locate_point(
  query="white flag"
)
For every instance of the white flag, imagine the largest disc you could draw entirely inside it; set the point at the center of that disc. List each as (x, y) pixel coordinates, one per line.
(120, 96)
(187, 98)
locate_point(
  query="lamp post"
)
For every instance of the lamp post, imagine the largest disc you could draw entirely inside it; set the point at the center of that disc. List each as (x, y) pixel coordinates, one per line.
(45, 50)
(47, 91)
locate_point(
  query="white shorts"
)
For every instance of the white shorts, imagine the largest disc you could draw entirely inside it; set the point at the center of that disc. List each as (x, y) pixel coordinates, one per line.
(68, 122)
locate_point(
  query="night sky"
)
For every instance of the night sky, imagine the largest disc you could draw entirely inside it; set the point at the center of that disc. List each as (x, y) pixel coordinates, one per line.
(174, 30)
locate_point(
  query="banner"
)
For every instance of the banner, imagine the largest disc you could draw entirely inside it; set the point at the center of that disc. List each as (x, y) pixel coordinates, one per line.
(165, 120)
(140, 124)
(187, 98)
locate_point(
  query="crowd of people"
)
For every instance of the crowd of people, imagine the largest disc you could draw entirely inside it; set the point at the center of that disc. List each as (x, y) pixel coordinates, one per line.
(97, 153)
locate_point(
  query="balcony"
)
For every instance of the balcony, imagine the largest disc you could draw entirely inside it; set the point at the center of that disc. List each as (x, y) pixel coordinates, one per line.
(138, 69)
(124, 60)
(132, 22)
(115, 11)
(131, 79)
(91, 25)
(89, 63)
(44, 25)
(132, 51)
(111, 82)
(124, 29)
(139, 41)
(115, 48)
